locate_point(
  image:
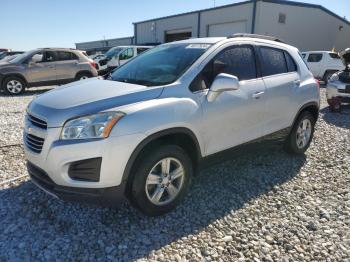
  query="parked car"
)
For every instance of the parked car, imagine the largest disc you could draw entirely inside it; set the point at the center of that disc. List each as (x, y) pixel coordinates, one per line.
(338, 88)
(119, 55)
(141, 133)
(42, 67)
(323, 64)
(9, 53)
(8, 58)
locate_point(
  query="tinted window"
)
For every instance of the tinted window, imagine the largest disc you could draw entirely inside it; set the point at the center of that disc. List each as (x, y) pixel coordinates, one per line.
(63, 56)
(334, 55)
(141, 50)
(237, 61)
(292, 67)
(273, 61)
(49, 56)
(314, 58)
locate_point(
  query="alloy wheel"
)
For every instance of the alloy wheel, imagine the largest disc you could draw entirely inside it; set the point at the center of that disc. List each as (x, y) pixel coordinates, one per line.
(304, 133)
(14, 86)
(165, 181)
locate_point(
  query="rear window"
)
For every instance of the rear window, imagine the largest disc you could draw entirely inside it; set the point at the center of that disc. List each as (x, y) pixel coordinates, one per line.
(291, 65)
(63, 56)
(334, 55)
(273, 61)
(314, 58)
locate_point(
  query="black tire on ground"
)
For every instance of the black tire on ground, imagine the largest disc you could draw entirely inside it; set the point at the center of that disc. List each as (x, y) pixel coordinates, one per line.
(327, 75)
(291, 144)
(83, 75)
(14, 85)
(334, 105)
(148, 161)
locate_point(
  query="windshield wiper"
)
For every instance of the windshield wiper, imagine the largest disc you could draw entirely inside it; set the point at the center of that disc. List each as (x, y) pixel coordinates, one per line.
(136, 81)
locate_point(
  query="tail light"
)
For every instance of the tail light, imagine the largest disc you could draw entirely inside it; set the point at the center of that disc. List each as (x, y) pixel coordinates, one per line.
(93, 64)
(318, 82)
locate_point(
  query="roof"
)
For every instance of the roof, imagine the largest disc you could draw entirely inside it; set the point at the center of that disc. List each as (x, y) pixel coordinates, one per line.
(203, 40)
(281, 2)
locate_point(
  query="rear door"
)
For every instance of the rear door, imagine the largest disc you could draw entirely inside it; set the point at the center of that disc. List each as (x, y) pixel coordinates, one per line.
(41, 67)
(67, 65)
(282, 80)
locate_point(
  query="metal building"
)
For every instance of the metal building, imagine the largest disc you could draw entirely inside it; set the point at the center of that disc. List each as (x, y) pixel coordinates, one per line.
(307, 26)
(104, 45)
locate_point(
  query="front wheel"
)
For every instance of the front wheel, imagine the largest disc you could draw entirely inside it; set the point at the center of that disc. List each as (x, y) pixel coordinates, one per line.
(161, 180)
(301, 135)
(14, 85)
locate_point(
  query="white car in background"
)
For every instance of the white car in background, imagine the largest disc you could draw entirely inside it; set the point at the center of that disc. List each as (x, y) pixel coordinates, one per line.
(323, 64)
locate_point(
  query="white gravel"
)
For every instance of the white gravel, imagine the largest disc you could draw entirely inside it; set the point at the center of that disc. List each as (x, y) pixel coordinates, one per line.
(260, 206)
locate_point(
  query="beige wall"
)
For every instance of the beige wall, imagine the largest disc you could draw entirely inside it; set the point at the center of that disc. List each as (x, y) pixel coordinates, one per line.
(227, 15)
(305, 28)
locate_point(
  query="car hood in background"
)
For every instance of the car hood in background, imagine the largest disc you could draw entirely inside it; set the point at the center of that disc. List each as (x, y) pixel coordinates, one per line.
(87, 97)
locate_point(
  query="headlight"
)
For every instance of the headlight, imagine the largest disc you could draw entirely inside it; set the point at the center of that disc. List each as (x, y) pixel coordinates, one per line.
(93, 126)
(334, 78)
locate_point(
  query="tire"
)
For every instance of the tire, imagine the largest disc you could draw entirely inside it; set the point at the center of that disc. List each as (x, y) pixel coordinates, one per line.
(145, 196)
(82, 76)
(295, 143)
(334, 105)
(327, 75)
(14, 85)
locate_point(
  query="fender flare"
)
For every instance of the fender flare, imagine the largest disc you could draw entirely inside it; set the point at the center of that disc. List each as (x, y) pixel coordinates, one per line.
(153, 137)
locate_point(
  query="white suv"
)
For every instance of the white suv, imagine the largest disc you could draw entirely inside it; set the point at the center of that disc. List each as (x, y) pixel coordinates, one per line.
(323, 64)
(141, 133)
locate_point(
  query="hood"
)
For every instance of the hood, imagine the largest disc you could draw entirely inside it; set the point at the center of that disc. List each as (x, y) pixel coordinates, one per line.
(87, 97)
(345, 56)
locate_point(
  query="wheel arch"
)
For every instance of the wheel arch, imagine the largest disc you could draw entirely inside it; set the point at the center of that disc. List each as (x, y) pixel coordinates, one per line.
(311, 107)
(13, 75)
(180, 136)
(83, 72)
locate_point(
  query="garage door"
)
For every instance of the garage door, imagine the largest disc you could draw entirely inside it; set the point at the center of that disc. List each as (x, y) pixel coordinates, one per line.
(177, 35)
(227, 29)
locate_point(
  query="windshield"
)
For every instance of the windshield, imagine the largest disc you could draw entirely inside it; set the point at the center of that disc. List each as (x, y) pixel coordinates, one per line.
(161, 65)
(20, 57)
(114, 51)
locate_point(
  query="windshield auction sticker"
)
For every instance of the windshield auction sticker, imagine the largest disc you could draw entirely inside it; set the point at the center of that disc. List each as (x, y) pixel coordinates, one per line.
(198, 46)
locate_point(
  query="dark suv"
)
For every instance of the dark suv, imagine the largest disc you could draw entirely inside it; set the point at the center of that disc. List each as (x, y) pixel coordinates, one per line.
(47, 66)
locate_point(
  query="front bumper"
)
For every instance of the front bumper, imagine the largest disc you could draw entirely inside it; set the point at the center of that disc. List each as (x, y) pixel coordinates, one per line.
(338, 91)
(55, 159)
(111, 196)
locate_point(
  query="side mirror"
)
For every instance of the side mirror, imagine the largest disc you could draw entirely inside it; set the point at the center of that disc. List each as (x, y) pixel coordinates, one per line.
(36, 58)
(222, 83)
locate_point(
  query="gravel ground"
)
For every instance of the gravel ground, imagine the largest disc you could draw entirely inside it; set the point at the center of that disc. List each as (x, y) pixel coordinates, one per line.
(261, 206)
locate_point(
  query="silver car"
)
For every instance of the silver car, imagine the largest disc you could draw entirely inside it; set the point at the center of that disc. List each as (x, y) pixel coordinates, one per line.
(43, 67)
(141, 133)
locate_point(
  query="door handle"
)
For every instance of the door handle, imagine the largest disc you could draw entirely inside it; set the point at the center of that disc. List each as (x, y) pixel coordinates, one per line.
(297, 82)
(257, 95)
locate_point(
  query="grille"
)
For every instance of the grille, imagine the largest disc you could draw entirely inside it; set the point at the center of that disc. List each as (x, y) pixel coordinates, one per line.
(345, 77)
(34, 143)
(346, 90)
(37, 122)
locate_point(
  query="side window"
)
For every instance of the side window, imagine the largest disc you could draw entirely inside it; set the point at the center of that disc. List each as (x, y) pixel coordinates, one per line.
(141, 50)
(127, 54)
(273, 61)
(291, 65)
(238, 61)
(49, 56)
(314, 58)
(64, 56)
(303, 56)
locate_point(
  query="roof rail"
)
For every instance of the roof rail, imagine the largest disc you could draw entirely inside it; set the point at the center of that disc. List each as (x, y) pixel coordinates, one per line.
(266, 37)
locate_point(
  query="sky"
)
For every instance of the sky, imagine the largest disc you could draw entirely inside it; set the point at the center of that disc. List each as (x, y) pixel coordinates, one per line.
(29, 24)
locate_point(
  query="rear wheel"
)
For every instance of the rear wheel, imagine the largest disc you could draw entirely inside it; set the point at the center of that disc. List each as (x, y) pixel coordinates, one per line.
(14, 85)
(82, 76)
(301, 135)
(161, 180)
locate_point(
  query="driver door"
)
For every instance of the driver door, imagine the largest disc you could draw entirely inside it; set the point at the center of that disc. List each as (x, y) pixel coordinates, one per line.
(42, 67)
(238, 116)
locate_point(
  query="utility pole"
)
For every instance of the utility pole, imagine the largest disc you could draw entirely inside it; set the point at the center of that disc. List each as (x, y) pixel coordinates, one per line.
(214, 3)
